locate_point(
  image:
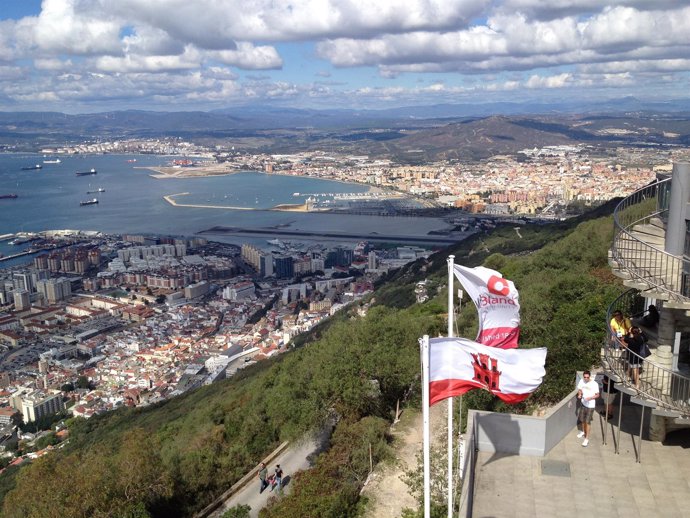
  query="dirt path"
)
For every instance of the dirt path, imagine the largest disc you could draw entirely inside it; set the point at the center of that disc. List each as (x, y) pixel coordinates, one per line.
(387, 491)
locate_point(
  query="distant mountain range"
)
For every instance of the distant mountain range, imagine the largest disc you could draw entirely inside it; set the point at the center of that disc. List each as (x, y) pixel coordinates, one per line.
(411, 134)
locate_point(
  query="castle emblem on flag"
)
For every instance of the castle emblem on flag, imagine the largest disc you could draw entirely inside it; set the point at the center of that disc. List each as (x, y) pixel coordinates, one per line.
(486, 370)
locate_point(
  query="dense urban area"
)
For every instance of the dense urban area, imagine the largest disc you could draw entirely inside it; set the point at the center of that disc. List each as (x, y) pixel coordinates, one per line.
(539, 181)
(100, 321)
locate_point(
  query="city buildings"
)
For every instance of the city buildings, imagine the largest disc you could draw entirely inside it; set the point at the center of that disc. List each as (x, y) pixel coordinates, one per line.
(36, 405)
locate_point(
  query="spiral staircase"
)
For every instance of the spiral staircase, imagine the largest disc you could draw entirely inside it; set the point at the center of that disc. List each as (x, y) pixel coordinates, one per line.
(638, 257)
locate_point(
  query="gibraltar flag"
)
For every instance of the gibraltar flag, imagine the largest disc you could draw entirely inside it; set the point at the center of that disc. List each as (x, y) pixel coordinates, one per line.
(497, 303)
(457, 365)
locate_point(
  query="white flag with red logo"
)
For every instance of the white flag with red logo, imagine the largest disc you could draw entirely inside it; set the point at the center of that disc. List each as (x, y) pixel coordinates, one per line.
(497, 303)
(457, 365)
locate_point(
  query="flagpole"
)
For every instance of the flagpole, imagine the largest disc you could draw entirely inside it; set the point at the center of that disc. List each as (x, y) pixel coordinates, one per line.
(461, 443)
(451, 314)
(425, 419)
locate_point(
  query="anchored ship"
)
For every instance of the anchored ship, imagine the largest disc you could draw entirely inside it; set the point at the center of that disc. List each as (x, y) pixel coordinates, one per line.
(100, 189)
(56, 161)
(89, 202)
(8, 196)
(32, 168)
(87, 173)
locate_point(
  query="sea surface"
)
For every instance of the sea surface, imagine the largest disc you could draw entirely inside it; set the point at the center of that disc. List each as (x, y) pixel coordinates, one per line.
(133, 200)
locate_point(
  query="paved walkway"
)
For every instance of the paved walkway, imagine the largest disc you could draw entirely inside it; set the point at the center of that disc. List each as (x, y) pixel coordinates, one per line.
(296, 457)
(600, 483)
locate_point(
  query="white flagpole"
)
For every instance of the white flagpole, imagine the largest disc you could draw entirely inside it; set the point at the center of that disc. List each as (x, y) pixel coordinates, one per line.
(461, 442)
(426, 432)
(451, 314)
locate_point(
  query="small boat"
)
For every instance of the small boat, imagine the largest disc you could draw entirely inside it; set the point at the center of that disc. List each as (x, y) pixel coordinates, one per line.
(56, 161)
(89, 202)
(87, 173)
(295, 194)
(32, 168)
(131, 160)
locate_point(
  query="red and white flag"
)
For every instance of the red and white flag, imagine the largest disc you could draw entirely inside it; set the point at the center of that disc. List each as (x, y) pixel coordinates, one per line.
(497, 302)
(457, 365)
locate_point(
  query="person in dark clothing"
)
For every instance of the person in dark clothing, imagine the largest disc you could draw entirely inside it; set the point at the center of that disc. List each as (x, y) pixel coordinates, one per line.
(651, 319)
(608, 393)
(263, 477)
(634, 343)
(278, 479)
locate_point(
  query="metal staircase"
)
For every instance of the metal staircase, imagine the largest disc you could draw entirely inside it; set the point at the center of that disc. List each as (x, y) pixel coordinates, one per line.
(637, 256)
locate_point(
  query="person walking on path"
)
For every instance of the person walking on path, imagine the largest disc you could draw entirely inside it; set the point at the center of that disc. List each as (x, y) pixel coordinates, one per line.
(278, 479)
(263, 476)
(587, 393)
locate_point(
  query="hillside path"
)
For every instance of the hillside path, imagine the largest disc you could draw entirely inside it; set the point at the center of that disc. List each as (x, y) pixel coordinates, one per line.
(387, 491)
(297, 456)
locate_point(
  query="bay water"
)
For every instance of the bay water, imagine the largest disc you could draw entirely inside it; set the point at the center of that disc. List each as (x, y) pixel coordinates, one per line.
(49, 198)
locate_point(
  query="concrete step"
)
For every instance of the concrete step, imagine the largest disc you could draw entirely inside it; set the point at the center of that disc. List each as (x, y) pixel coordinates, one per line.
(639, 284)
(621, 274)
(649, 229)
(676, 304)
(665, 412)
(650, 239)
(657, 222)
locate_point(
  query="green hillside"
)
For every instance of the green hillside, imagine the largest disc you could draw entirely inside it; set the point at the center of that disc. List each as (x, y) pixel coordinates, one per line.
(172, 459)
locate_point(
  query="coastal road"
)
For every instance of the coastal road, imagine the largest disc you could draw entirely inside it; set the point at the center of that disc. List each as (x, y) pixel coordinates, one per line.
(298, 456)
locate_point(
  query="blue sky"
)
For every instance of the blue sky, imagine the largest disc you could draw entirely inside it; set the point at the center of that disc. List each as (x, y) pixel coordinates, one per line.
(81, 56)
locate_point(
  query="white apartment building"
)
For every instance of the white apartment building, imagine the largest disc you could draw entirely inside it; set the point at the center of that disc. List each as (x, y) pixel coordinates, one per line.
(38, 404)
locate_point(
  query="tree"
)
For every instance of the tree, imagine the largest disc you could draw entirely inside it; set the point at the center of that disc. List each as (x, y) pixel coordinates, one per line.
(47, 440)
(83, 382)
(67, 387)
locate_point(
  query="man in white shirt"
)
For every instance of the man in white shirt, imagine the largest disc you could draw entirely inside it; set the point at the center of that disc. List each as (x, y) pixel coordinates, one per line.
(587, 393)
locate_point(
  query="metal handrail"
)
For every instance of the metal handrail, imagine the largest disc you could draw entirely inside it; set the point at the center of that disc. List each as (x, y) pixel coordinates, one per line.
(669, 389)
(649, 265)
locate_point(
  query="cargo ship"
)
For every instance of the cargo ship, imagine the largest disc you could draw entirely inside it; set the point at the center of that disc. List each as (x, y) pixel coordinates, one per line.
(32, 168)
(8, 196)
(100, 189)
(89, 202)
(87, 173)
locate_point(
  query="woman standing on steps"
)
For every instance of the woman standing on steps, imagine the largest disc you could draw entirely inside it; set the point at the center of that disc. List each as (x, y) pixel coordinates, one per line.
(634, 342)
